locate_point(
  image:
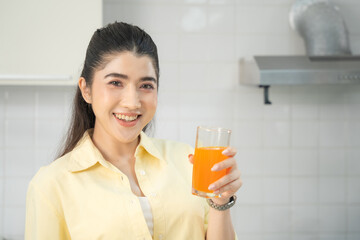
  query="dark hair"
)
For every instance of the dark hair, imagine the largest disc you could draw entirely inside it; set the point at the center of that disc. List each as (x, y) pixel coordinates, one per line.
(112, 39)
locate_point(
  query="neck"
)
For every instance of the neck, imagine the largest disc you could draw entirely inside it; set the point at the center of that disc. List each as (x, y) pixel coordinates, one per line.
(113, 150)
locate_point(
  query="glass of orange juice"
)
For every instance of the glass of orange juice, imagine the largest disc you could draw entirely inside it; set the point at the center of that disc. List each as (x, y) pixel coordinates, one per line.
(209, 145)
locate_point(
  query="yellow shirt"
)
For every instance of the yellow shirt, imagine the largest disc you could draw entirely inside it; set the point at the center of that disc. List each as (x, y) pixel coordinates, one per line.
(83, 196)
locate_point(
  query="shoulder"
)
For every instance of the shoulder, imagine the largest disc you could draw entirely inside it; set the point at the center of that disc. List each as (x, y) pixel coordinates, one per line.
(176, 154)
(169, 150)
(166, 146)
(48, 175)
(44, 193)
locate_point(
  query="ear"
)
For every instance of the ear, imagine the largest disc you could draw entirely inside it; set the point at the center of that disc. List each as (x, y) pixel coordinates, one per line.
(85, 90)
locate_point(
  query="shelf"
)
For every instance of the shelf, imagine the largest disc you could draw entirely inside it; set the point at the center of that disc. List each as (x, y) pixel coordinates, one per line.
(36, 80)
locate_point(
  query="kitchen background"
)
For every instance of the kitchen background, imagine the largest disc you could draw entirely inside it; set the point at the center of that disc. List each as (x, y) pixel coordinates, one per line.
(300, 156)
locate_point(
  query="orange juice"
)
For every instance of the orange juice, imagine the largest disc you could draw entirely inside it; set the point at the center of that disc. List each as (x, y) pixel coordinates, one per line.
(204, 160)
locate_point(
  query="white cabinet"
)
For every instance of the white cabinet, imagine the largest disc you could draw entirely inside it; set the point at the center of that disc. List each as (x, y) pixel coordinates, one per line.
(44, 41)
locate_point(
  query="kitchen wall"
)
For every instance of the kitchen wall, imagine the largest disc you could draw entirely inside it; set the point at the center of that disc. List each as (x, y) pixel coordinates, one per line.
(300, 156)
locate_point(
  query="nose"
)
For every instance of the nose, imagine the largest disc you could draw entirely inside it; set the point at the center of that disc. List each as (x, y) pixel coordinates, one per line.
(130, 98)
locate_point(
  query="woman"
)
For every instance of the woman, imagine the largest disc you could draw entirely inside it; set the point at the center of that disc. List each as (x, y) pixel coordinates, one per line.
(111, 180)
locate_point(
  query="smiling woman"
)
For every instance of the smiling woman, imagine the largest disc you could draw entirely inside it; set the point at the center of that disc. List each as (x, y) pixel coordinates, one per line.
(112, 181)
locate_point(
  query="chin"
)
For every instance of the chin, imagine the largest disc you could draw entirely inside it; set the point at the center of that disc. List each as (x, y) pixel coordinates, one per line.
(128, 136)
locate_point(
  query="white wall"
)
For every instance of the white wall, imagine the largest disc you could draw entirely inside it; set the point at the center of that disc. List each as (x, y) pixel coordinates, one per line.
(300, 156)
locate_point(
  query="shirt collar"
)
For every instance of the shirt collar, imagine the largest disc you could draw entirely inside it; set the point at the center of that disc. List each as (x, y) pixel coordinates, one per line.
(147, 144)
(85, 154)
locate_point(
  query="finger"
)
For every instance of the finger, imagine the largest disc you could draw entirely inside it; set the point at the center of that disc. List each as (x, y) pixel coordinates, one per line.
(229, 151)
(232, 176)
(230, 188)
(227, 163)
(226, 195)
(191, 158)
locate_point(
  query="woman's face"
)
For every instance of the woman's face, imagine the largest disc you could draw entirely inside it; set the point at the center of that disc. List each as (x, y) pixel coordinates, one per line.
(123, 96)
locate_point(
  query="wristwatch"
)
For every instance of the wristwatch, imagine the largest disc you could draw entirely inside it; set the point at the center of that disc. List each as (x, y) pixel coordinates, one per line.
(223, 207)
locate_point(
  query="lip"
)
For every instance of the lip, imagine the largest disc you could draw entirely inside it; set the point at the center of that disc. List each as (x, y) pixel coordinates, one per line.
(125, 123)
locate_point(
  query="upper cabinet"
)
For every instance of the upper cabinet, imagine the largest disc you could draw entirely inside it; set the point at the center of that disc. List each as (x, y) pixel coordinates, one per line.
(43, 42)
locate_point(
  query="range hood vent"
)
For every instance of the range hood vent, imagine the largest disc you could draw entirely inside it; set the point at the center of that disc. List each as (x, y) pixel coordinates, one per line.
(294, 70)
(328, 58)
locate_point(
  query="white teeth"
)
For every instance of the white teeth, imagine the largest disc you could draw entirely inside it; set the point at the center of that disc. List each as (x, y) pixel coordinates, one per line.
(125, 117)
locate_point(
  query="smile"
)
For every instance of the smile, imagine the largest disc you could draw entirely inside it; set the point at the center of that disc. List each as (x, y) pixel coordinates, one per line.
(126, 118)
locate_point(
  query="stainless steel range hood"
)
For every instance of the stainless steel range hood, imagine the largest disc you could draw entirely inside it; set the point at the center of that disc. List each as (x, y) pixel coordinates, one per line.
(328, 58)
(293, 70)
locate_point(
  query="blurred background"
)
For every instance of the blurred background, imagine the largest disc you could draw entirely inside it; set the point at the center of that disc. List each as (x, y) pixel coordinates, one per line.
(299, 156)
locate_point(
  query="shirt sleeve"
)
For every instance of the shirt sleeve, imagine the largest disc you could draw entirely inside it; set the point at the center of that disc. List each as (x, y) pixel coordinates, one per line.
(43, 221)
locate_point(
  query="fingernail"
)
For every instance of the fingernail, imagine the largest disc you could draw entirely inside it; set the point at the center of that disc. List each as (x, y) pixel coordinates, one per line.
(211, 187)
(226, 151)
(216, 192)
(214, 168)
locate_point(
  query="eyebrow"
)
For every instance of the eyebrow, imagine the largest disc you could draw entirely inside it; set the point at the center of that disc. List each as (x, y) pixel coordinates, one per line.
(123, 76)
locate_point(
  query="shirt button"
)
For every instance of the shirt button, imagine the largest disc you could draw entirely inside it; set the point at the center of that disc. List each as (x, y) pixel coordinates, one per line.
(153, 195)
(142, 172)
(122, 177)
(160, 236)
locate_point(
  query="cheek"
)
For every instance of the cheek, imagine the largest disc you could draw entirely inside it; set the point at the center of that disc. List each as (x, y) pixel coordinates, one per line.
(155, 102)
(102, 100)
(151, 102)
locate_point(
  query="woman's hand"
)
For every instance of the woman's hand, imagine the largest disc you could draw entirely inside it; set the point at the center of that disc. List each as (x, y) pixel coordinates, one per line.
(228, 185)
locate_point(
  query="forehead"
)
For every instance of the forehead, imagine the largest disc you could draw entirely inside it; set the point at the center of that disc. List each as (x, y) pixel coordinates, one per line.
(130, 64)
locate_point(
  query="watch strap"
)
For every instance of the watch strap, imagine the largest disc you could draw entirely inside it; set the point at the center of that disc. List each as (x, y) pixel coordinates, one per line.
(223, 207)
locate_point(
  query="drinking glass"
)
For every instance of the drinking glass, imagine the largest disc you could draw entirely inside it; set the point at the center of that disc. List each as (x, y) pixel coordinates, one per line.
(209, 145)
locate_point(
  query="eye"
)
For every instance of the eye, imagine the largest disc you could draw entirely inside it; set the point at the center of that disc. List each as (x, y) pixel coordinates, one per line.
(148, 86)
(116, 83)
